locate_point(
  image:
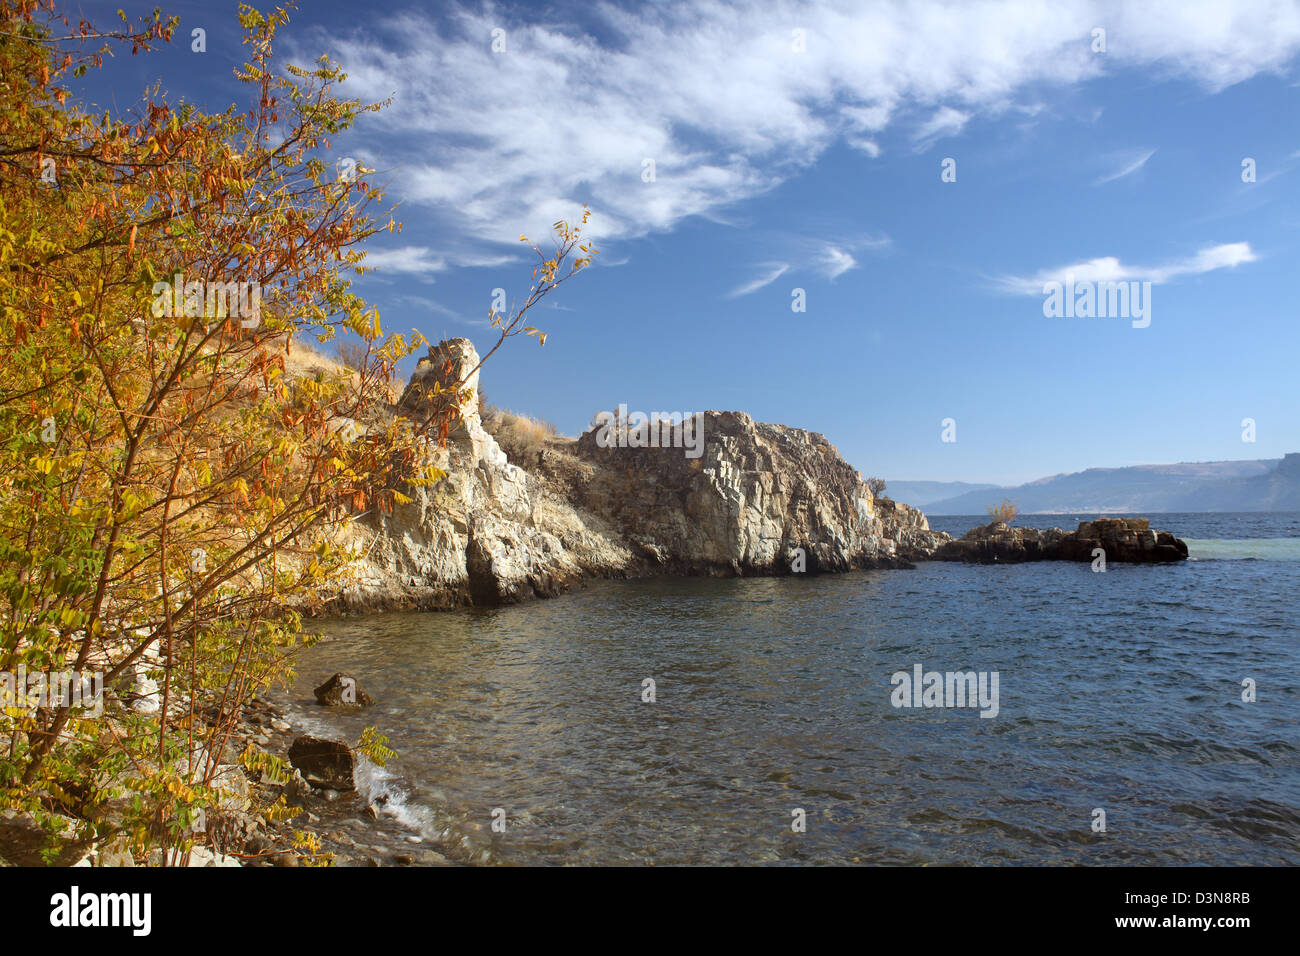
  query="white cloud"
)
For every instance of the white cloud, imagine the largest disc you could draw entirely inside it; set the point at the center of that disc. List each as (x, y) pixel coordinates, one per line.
(835, 261)
(421, 260)
(711, 90)
(864, 145)
(771, 273)
(422, 303)
(1131, 164)
(946, 121)
(1225, 256)
(407, 260)
(831, 259)
(1110, 269)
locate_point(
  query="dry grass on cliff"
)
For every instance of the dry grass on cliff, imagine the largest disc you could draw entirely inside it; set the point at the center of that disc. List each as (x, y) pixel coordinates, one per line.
(519, 436)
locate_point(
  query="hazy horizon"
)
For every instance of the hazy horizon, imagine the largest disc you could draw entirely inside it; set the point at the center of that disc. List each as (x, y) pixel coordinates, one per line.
(1146, 464)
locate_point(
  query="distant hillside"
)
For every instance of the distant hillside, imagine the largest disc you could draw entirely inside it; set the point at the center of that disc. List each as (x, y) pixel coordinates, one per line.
(1271, 484)
(919, 493)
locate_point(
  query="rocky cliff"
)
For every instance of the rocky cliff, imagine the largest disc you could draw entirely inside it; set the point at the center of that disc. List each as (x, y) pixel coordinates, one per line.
(489, 533)
(757, 494)
(495, 532)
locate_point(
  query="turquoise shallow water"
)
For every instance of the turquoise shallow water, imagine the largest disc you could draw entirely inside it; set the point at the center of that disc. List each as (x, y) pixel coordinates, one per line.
(1250, 549)
(1119, 691)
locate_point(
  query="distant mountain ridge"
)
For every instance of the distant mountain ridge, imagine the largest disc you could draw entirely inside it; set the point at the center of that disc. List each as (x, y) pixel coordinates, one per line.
(1268, 484)
(920, 493)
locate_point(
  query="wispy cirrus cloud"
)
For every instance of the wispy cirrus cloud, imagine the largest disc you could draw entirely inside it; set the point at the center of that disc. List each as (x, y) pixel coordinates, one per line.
(1110, 269)
(834, 258)
(1130, 164)
(715, 93)
(771, 272)
(836, 261)
(419, 303)
(422, 260)
(945, 121)
(829, 258)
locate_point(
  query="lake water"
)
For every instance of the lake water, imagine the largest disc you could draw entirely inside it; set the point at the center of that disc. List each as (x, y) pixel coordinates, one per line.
(1119, 691)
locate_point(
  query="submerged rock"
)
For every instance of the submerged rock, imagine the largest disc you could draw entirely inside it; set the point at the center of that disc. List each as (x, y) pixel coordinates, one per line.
(342, 690)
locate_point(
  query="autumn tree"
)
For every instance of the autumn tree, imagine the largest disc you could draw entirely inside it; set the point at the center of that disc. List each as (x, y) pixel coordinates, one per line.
(168, 483)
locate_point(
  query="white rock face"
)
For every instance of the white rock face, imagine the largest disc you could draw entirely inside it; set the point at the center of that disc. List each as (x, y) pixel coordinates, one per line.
(492, 532)
(488, 533)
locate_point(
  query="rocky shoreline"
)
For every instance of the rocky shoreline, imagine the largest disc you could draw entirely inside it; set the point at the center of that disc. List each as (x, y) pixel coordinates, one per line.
(327, 821)
(754, 499)
(346, 828)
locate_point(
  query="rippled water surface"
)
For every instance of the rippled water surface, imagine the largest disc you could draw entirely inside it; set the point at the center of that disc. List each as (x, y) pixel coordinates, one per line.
(1119, 691)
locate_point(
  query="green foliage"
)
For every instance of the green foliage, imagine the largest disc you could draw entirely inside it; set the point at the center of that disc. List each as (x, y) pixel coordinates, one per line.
(374, 747)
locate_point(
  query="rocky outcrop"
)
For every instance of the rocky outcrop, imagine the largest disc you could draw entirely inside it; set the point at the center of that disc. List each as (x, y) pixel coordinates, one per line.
(1121, 540)
(750, 498)
(909, 529)
(489, 533)
(494, 533)
(756, 494)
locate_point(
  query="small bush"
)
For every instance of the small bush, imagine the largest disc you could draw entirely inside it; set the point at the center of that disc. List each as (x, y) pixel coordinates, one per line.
(877, 486)
(1005, 512)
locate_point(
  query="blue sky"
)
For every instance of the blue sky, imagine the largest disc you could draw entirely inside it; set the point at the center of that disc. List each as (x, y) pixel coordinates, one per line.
(819, 169)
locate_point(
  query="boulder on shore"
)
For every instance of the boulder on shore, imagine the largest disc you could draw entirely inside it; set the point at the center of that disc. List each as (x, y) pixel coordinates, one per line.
(326, 764)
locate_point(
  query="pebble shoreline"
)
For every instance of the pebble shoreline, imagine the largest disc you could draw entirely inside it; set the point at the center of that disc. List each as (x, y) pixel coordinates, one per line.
(328, 815)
